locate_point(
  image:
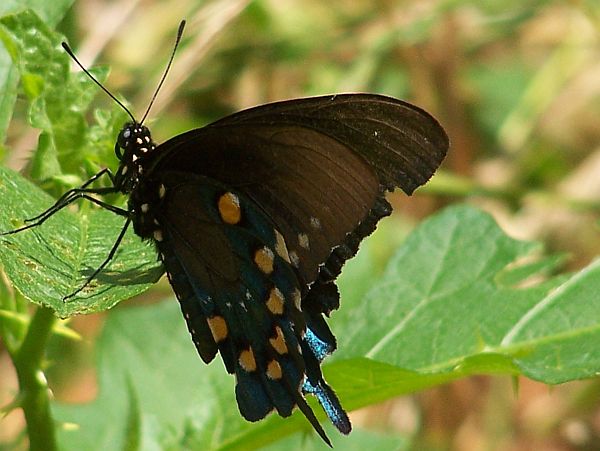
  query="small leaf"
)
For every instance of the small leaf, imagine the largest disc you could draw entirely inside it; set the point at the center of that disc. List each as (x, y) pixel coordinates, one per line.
(51, 12)
(9, 79)
(58, 98)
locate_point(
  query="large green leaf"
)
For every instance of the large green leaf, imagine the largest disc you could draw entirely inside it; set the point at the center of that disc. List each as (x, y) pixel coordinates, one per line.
(458, 288)
(458, 298)
(51, 261)
(50, 12)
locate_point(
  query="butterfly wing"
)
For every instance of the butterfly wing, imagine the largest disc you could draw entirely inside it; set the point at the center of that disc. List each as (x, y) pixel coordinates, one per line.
(261, 210)
(402, 142)
(317, 166)
(240, 295)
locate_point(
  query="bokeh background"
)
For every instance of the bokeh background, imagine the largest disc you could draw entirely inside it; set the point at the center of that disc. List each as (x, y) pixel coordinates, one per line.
(515, 83)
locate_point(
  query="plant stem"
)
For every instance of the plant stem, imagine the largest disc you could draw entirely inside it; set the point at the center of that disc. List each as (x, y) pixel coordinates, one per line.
(33, 387)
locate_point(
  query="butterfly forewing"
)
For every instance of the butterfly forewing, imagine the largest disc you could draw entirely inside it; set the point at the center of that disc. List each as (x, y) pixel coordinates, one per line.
(312, 187)
(402, 142)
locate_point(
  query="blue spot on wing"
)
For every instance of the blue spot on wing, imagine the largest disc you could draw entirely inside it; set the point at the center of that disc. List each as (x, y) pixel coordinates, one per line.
(330, 403)
(253, 402)
(319, 348)
(316, 385)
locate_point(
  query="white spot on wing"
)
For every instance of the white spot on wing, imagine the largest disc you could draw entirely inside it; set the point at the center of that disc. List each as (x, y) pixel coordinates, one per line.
(315, 223)
(303, 241)
(294, 259)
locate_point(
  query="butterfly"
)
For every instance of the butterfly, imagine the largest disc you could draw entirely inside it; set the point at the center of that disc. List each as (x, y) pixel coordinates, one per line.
(253, 217)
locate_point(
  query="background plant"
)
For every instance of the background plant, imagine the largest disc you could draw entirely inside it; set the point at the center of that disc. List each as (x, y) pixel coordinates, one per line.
(516, 86)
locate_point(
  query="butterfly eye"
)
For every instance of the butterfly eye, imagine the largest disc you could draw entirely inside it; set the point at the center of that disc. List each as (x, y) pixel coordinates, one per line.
(125, 135)
(123, 140)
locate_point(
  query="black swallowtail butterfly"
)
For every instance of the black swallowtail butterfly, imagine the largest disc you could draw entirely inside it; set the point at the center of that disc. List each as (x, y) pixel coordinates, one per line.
(253, 217)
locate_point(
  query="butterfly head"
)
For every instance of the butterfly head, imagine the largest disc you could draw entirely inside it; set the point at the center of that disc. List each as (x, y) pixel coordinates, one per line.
(134, 145)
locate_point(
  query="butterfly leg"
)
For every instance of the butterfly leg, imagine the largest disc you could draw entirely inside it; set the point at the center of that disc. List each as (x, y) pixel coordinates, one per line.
(72, 191)
(78, 193)
(106, 261)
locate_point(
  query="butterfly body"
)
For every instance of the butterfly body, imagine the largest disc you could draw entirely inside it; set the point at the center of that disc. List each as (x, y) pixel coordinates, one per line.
(253, 217)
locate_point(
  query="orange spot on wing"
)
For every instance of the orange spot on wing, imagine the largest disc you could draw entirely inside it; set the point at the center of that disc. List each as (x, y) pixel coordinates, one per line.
(274, 370)
(275, 302)
(247, 360)
(278, 341)
(229, 208)
(218, 327)
(280, 247)
(264, 260)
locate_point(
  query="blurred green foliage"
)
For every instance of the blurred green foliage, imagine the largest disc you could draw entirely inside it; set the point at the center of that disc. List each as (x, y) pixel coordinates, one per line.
(516, 85)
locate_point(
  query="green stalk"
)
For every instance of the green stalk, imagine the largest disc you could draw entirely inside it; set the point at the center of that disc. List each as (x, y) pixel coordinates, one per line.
(33, 387)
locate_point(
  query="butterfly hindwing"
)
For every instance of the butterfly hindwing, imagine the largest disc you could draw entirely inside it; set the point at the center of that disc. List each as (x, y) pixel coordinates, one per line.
(242, 296)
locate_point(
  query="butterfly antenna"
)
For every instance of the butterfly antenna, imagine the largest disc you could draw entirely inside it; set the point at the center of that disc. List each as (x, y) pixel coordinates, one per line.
(162, 80)
(72, 55)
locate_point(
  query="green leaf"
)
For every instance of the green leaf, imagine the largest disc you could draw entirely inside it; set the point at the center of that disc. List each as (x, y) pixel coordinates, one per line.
(9, 79)
(449, 305)
(360, 440)
(58, 99)
(51, 261)
(444, 299)
(151, 348)
(147, 365)
(51, 12)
